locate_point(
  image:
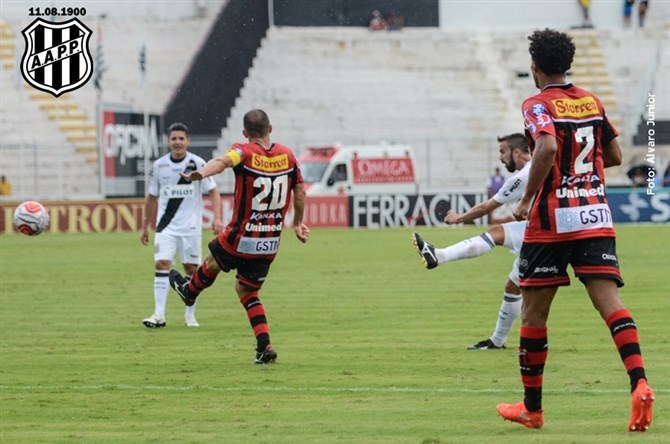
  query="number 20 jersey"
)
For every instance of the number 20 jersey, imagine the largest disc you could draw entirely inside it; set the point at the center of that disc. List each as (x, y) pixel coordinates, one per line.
(570, 204)
(264, 180)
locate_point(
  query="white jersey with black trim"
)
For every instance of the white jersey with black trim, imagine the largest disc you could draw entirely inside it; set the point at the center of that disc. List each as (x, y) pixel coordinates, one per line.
(179, 201)
(513, 188)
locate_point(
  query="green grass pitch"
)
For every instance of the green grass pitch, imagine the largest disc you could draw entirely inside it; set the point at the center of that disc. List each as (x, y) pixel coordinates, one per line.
(372, 347)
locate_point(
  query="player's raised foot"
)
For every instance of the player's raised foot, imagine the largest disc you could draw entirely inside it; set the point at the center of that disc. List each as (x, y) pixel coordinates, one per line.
(518, 413)
(266, 356)
(642, 402)
(178, 284)
(154, 321)
(190, 321)
(425, 250)
(486, 345)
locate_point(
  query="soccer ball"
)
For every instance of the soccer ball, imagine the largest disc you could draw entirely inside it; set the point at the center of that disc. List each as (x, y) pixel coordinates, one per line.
(31, 218)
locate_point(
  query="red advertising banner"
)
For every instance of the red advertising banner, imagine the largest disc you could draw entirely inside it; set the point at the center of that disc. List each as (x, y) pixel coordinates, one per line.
(383, 170)
(116, 215)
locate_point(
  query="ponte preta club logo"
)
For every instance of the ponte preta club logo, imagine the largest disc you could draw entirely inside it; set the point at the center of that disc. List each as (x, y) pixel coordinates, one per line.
(57, 58)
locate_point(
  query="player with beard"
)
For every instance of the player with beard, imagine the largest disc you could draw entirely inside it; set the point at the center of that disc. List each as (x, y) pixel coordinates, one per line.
(515, 155)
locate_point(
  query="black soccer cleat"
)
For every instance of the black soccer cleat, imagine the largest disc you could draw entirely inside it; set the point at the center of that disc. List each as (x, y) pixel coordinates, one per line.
(486, 345)
(178, 284)
(425, 250)
(266, 356)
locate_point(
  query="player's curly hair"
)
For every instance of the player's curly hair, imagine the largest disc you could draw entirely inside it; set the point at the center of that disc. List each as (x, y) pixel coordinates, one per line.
(551, 50)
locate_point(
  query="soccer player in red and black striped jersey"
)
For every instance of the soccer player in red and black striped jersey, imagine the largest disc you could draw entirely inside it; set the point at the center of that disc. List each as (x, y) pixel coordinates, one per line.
(569, 222)
(266, 175)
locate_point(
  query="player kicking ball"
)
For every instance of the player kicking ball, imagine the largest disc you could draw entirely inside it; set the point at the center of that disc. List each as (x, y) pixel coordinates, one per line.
(515, 155)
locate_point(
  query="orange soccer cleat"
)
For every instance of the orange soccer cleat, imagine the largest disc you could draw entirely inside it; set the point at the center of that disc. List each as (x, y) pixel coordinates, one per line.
(641, 404)
(518, 413)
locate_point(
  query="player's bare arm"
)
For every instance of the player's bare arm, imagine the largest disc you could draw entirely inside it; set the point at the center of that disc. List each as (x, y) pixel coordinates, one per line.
(301, 230)
(150, 206)
(214, 166)
(217, 223)
(612, 154)
(473, 213)
(543, 159)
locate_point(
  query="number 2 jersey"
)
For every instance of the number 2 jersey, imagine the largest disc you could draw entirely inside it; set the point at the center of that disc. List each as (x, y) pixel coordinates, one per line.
(264, 180)
(570, 204)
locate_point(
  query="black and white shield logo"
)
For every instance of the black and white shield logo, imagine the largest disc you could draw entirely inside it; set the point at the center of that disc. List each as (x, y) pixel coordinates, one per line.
(57, 58)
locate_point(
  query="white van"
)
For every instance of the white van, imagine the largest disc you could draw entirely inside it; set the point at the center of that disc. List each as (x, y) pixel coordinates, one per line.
(361, 169)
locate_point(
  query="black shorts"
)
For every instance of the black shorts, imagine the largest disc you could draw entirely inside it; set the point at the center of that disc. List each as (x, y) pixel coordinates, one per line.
(545, 264)
(250, 272)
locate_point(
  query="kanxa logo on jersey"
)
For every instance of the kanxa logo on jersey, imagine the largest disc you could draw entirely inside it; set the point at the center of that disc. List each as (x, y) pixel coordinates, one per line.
(56, 59)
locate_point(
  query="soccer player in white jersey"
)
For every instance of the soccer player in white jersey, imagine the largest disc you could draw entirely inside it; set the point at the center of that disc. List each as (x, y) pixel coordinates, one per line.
(178, 219)
(515, 154)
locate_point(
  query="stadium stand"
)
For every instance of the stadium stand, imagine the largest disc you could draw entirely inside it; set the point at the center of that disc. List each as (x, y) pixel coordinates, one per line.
(6, 46)
(62, 132)
(449, 93)
(35, 154)
(425, 87)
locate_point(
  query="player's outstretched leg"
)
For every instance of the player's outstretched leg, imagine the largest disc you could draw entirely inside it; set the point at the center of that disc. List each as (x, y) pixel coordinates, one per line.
(180, 284)
(425, 250)
(518, 413)
(642, 402)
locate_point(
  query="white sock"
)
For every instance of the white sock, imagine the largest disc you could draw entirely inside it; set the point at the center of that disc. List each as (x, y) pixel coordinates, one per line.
(473, 247)
(190, 310)
(510, 309)
(161, 286)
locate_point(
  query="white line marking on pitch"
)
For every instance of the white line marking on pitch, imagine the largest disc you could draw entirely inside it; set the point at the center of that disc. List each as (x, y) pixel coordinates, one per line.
(285, 389)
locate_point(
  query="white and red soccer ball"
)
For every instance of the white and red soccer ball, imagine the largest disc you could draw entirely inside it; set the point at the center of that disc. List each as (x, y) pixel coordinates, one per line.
(31, 218)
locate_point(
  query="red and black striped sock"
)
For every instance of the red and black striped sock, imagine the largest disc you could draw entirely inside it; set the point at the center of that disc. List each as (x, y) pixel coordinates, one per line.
(624, 333)
(201, 279)
(533, 349)
(257, 319)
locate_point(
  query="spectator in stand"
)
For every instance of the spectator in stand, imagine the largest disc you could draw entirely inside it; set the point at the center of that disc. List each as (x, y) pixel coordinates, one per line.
(638, 176)
(377, 22)
(666, 177)
(495, 182)
(627, 12)
(585, 5)
(642, 12)
(395, 21)
(5, 187)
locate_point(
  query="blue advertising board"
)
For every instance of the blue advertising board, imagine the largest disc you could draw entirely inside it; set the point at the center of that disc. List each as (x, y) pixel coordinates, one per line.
(639, 204)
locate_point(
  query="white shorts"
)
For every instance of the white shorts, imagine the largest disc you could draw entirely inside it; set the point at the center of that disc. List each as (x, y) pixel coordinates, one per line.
(514, 274)
(166, 247)
(513, 239)
(514, 236)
